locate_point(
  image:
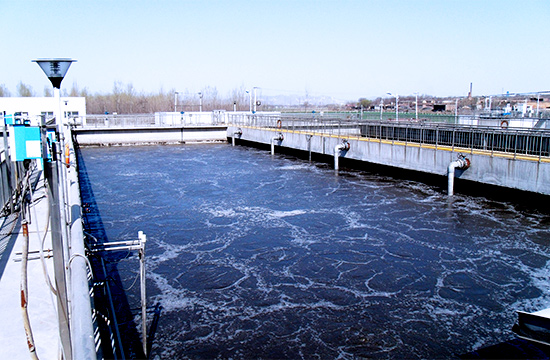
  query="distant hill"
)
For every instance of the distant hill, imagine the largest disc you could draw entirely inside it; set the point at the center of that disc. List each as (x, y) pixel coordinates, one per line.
(296, 100)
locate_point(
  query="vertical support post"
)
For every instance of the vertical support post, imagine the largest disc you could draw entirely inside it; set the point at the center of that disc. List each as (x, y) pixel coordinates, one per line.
(143, 239)
(255, 99)
(456, 111)
(309, 137)
(540, 147)
(416, 105)
(8, 169)
(51, 174)
(397, 108)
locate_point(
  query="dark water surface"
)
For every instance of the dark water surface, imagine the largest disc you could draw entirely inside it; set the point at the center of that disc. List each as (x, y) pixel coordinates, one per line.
(253, 256)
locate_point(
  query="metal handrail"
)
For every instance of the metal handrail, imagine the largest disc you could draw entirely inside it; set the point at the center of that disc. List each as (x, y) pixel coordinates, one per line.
(516, 141)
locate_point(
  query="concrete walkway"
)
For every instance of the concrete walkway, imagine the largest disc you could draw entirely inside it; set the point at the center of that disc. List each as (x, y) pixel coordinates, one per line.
(41, 301)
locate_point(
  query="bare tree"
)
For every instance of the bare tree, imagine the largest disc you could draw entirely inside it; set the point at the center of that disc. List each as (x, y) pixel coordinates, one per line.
(4, 92)
(48, 91)
(240, 97)
(24, 90)
(125, 99)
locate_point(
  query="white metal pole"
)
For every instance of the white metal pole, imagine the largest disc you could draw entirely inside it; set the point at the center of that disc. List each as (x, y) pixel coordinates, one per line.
(396, 107)
(143, 240)
(456, 111)
(255, 99)
(58, 117)
(416, 105)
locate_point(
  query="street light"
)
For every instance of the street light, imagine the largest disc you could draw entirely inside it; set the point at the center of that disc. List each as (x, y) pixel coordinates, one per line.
(255, 101)
(416, 104)
(249, 100)
(56, 69)
(396, 105)
(200, 101)
(176, 101)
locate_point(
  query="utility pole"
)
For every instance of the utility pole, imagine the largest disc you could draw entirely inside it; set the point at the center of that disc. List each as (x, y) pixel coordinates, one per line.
(416, 105)
(255, 99)
(249, 100)
(176, 101)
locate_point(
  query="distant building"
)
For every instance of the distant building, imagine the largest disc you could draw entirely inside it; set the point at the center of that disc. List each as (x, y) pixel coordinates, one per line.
(36, 109)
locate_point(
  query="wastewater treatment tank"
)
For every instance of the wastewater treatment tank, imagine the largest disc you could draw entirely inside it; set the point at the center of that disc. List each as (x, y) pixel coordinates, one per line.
(258, 256)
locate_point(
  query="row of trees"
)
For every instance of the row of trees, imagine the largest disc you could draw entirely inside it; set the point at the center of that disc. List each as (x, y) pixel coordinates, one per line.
(125, 99)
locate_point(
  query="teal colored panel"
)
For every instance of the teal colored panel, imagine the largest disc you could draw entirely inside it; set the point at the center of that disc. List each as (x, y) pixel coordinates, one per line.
(27, 142)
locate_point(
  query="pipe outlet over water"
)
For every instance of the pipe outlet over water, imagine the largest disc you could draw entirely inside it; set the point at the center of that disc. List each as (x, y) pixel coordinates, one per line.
(344, 146)
(238, 133)
(462, 163)
(277, 138)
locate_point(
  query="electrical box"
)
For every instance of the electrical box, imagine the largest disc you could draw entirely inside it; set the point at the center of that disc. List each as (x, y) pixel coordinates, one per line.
(25, 142)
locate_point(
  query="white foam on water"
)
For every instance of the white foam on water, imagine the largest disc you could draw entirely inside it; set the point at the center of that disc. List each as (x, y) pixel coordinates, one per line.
(283, 214)
(286, 244)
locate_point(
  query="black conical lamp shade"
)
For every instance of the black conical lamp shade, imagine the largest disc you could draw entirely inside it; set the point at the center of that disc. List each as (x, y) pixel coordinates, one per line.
(55, 69)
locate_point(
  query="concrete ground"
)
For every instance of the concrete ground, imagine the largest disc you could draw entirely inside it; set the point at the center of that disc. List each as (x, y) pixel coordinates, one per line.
(41, 301)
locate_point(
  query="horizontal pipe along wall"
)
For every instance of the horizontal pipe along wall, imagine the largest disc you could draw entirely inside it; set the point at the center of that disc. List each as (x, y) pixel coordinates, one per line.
(527, 175)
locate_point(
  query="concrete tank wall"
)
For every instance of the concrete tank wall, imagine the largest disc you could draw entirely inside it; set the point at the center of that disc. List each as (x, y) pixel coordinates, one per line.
(147, 135)
(522, 172)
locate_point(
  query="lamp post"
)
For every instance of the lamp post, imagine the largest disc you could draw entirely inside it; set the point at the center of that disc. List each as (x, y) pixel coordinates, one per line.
(416, 104)
(176, 101)
(456, 111)
(249, 100)
(200, 101)
(396, 105)
(255, 101)
(56, 69)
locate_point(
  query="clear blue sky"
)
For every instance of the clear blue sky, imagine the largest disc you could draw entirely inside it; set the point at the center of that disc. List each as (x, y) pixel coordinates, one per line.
(344, 48)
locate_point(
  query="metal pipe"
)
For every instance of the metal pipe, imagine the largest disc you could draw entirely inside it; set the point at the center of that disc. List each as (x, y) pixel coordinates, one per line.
(238, 133)
(344, 146)
(81, 327)
(278, 138)
(143, 240)
(461, 163)
(24, 291)
(60, 275)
